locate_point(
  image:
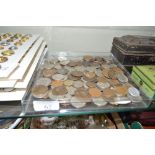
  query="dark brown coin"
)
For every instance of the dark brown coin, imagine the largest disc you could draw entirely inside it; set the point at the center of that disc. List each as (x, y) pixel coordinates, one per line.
(76, 73)
(39, 91)
(59, 90)
(49, 72)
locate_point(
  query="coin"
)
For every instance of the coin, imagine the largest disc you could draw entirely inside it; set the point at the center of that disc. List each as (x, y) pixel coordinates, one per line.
(75, 102)
(7, 53)
(74, 78)
(91, 84)
(57, 83)
(5, 43)
(13, 48)
(112, 74)
(59, 90)
(43, 81)
(133, 92)
(120, 100)
(121, 90)
(76, 73)
(59, 77)
(82, 93)
(117, 70)
(39, 91)
(94, 92)
(57, 66)
(71, 90)
(64, 62)
(86, 63)
(101, 79)
(105, 73)
(88, 58)
(62, 71)
(3, 59)
(114, 82)
(103, 86)
(48, 72)
(108, 93)
(122, 78)
(73, 63)
(98, 72)
(78, 84)
(1, 47)
(68, 82)
(89, 75)
(18, 44)
(99, 102)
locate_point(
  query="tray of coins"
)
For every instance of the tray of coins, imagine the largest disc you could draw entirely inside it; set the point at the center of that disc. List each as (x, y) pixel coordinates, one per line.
(82, 83)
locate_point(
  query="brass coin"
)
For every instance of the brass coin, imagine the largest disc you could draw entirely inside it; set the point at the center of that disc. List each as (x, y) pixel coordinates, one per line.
(1, 47)
(48, 72)
(76, 73)
(39, 91)
(3, 59)
(94, 92)
(91, 84)
(59, 90)
(108, 93)
(7, 53)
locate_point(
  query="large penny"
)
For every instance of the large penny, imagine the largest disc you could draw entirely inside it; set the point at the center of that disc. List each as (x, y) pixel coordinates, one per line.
(108, 93)
(94, 92)
(43, 81)
(59, 90)
(76, 73)
(49, 72)
(39, 91)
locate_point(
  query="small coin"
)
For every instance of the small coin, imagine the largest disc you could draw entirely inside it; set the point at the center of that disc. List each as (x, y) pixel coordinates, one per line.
(39, 91)
(62, 71)
(108, 93)
(99, 102)
(71, 90)
(88, 58)
(7, 53)
(59, 77)
(57, 66)
(64, 62)
(105, 73)
(49, 72)
(121, 90)
(133, 92)
(43, 81)
(3, 59)
(103, 86)
(73, 63)
(74, 78)
(122, 78)
(57, 83)
(94, 92)
(89, 75)
(59, 90)
(91, 84)
(13, 48)
(1, 47)
(82, 93)
(120, 100)
(76, 73)
(114, 82)
(78, 84)
(101, 79)
(5, 43)
(68, 82)
(18, 44)
(75, 102)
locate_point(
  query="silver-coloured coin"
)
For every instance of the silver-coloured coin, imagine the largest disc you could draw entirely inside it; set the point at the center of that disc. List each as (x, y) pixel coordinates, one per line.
(122, 78)
(78, 84)
(5, 43)
(79, 68)
(13, 48)
(99, 102)
(43, 81)
(63, 71)
(57, 66)
(104, 85)
(133, 92)
(98, 72)
(59, 77)
(71, 90)
(64, 62)
(77, 103)
(120, 100)
(90, 69)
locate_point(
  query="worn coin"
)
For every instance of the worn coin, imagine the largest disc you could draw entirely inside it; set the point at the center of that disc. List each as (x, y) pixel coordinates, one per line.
(99, 102)
(74, 78)
(13, 48)
(3, 59)
(57, 83)
(121, 90)
(103, 86)
(122, 78)
(78, 84)
(49, 72)
(63, 71)
(59, 77)
(39, 91)
(7, 53)
(76, 73)
(108, 93)
(75, 102)
(94, 92)
(61, 90)
(91, 84)
(43, 81)
(68, 82)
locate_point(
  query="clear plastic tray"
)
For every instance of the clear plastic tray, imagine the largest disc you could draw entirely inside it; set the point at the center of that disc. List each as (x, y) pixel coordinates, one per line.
(64, 105)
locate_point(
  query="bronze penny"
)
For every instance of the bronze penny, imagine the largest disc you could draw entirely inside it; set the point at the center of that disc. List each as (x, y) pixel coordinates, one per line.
(39, 91)
(57, 83)
(121, 90)
(49, 72)
(61, 90)
(91, 84)
(3, 59)
(76, 73)
(82, 93)
(108, 93)
(94, 92)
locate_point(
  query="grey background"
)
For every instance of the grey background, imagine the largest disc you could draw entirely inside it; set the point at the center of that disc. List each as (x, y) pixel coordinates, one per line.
(83, 38)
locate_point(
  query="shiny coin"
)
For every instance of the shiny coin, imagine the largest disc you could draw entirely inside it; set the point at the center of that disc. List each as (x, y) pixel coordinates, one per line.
(108, 93)
(68, 82)
(59, 77)
(3, 59)
(39, 91)
(43, 81)
(99, 102)
(134, 91)
(103, 86)
(7, 53)
(5, 43)
(57, 83)
(62, 71)
(13, 48)
(122, 78)
(59, 90)
(121, 90)
(94, 92)
(91, 84)
(48, 72)
(78, 84)
(71, 90)
(1, 47)
(76, 73)
(120, 100)
(64, 62)
(75, 102)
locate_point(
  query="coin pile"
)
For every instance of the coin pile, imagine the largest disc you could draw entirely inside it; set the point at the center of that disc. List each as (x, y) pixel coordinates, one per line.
(82, 81)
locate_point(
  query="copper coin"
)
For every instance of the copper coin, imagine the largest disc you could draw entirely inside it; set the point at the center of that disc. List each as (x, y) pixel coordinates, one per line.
(82, 93)
(91, 84)
(94, 92)
(39, 91)
(108, 93)
(57, 83)
(76, 73)
(114, 82)
(117, 70)
(49, 72)
(59, 90)
(8, 53)
(101, 79)
(74, 78)
(3, 59)
(121, 90)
